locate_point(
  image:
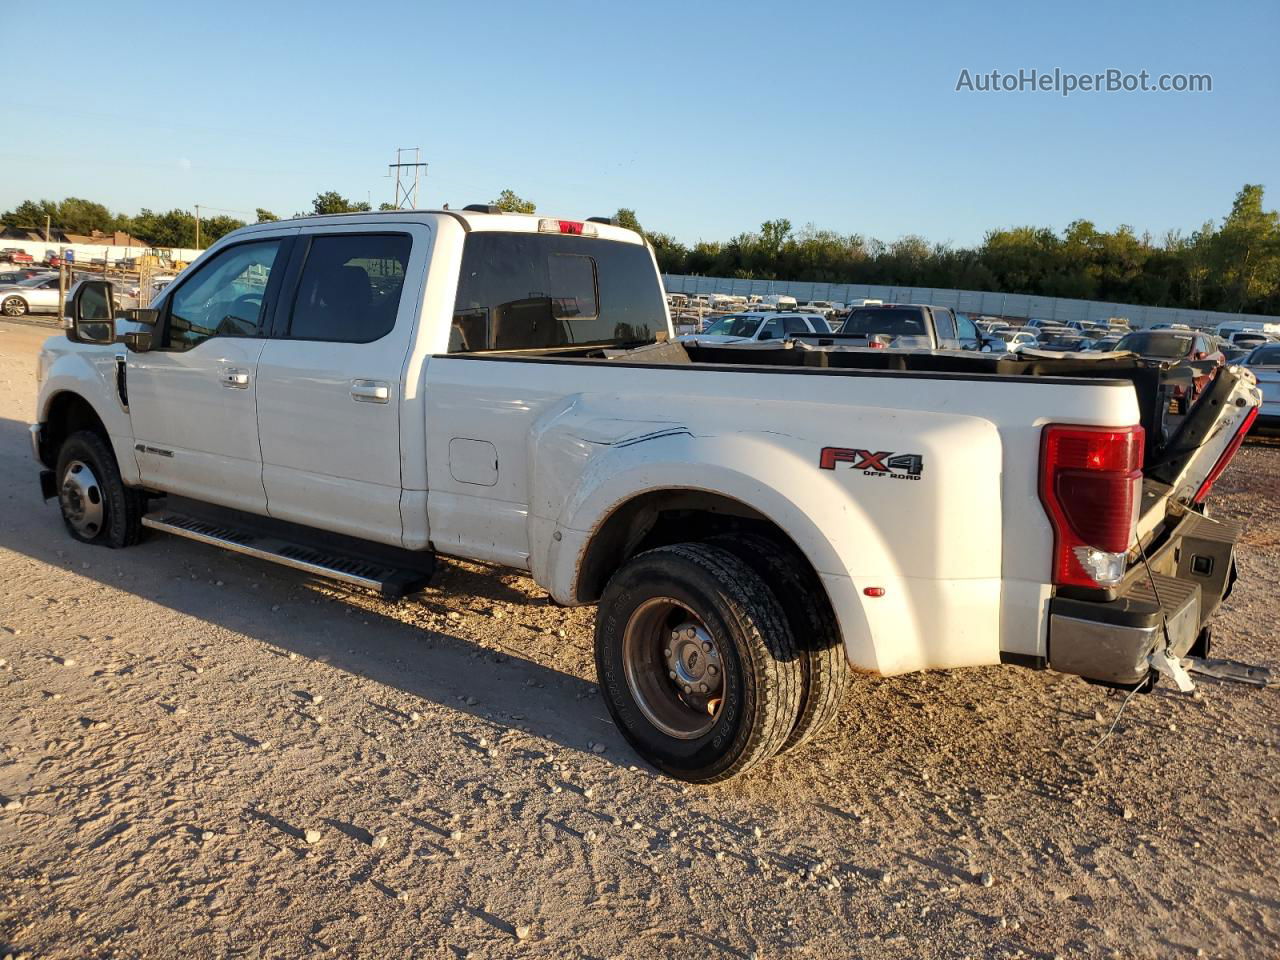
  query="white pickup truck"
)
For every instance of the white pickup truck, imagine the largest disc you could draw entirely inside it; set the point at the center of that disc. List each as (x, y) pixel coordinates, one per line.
(352, 395)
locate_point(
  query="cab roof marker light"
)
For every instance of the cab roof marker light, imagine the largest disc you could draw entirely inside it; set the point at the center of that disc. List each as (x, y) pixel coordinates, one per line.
(575, 228)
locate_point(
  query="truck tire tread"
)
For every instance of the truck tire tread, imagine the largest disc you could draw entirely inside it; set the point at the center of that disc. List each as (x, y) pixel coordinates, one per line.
(772, 675)
(124, 505)
(827, 677)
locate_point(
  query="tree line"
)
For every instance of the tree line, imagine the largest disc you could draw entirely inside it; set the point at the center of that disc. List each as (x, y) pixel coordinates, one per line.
(1232, 265)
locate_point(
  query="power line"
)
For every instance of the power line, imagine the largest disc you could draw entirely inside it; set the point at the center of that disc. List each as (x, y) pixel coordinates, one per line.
(407, 177)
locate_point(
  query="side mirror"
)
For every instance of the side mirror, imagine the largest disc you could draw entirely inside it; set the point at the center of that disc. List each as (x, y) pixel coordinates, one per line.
(143, 315)
(765, 335)
(92, 312)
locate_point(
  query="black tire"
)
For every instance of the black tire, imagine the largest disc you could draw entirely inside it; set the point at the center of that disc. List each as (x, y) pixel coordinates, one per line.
(760, 679)
(120, 507)
(827, 676)
(13, 307)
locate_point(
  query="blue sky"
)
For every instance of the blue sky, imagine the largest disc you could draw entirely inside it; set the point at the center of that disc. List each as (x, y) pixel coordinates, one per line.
(707, 118)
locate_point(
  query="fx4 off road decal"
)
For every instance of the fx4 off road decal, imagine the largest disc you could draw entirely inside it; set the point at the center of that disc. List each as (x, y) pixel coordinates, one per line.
(873, 463)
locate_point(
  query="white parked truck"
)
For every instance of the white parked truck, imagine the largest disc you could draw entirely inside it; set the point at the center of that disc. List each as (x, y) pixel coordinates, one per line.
(352, 395)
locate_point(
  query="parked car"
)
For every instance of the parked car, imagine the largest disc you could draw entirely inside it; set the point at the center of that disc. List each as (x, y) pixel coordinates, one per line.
(1105, 344)
(1185, 347)
(349, 395)
(9, 277)
(758, 325)
(911, 326)
(1264, 363)
(38, 294)
(15, 255)
(1250, 338)
(1016, 340)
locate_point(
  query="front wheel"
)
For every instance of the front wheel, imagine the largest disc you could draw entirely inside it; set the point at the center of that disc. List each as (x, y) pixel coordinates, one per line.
(96, 505)
(14, 306)
(697, 663)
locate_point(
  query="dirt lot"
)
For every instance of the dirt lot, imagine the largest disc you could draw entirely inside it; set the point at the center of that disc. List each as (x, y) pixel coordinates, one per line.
(176, 721)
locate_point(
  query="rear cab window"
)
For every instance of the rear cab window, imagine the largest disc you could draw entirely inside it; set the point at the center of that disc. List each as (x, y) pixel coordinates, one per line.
(896, 321)
(531, 291)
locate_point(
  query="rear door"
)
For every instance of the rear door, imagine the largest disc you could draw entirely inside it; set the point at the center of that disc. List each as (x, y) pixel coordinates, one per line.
(330, 380)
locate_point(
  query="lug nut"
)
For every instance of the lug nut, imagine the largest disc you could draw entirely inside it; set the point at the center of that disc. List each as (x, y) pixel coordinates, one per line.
(671, 674)
(702, 688)
(666, 652)
(691, 633)
(688, 689)
(706, 647)
(711, 669)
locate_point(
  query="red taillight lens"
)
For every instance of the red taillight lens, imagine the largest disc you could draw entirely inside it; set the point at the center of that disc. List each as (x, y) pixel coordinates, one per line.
(1226, 457)
(1090, 484)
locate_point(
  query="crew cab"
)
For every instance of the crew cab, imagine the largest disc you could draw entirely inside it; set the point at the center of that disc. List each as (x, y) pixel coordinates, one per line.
(758, 523)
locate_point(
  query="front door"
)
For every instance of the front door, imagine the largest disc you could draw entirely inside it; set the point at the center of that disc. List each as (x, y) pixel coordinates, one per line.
(330, 382)
(193, 397)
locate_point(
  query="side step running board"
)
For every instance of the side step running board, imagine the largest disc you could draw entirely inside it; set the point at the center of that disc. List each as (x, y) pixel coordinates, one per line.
(391, 582)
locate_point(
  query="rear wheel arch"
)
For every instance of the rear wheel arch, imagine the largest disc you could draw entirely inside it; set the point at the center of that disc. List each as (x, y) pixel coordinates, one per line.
(662, 517)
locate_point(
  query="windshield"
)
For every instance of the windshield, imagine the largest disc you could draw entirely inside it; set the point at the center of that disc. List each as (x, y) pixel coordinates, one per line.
(1161, 346)
(1268, 356)
(899, 322)
(734, 326)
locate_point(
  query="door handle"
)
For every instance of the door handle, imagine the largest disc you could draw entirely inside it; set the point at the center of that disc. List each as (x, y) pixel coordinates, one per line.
(370, 391)
(235, 378)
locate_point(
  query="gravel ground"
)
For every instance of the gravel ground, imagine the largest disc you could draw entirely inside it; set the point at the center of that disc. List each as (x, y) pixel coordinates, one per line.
(206, 756)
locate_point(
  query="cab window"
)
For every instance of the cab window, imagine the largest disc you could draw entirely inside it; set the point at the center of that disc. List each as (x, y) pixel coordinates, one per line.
(349, 290)
(225, 297)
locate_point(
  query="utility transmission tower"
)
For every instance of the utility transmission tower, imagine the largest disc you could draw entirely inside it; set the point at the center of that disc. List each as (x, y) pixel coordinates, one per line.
(407, 174)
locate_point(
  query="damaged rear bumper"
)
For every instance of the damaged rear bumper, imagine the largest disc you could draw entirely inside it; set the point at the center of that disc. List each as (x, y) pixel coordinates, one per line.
(1111, 642)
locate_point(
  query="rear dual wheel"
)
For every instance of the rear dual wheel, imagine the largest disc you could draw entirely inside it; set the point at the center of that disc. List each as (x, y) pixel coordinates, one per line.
(697, 662)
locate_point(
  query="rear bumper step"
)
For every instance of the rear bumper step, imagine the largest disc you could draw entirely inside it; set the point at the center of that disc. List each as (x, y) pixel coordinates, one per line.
(1180, 587)
(389, 581)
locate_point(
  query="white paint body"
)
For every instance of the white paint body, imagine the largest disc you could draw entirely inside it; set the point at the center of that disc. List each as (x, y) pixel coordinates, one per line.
(519, 461)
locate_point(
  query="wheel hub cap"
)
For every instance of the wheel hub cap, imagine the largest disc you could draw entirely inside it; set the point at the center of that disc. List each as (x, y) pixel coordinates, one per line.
(81, 499)
(673, 668)
(694, 659)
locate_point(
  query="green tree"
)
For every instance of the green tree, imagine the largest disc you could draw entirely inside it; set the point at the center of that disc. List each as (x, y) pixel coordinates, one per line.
(510, 203)
(626, 217)
(387, 206)
(1247, 251)
(265, 216)
(333, 202)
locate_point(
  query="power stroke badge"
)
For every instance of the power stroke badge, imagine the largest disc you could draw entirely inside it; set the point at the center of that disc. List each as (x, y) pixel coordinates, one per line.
(874, 463)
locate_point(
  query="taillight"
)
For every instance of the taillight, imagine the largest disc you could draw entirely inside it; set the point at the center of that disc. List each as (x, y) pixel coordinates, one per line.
(1090, 485)
(1226, 456)
(573, 227)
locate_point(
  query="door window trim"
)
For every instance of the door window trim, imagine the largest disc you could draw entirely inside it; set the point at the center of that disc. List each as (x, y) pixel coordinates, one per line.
(270, 295)
(282, 323)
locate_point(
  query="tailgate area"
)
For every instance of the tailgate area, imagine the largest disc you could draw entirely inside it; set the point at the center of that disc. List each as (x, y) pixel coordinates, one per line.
(1109, 642)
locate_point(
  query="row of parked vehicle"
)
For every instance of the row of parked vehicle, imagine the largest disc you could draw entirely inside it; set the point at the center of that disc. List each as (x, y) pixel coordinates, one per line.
(35, 290)
(906, 326)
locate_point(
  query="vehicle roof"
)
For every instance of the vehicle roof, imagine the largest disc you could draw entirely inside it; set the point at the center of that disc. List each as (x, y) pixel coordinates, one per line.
(471, 221)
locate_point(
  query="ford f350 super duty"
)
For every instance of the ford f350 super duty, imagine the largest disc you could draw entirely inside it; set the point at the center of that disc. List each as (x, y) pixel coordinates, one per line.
(353, 395)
